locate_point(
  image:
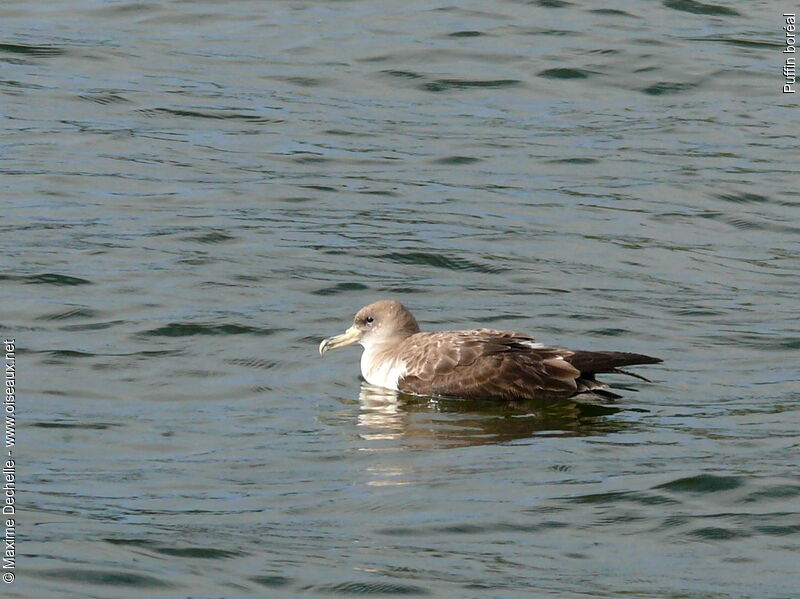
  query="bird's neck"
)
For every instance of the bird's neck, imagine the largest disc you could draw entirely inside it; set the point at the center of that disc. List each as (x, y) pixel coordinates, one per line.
(380, 349)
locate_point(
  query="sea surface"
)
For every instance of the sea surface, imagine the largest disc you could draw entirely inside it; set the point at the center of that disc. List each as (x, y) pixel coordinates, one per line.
(195, 193)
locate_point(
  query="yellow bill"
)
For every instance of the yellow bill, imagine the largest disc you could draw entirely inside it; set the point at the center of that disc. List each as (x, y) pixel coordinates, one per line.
(350, 336)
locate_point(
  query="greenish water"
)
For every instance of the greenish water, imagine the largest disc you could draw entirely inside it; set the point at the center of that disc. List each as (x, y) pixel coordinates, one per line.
(196, 193)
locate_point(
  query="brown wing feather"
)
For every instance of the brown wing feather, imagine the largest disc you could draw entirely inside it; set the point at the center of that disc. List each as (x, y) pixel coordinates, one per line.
(485, 364)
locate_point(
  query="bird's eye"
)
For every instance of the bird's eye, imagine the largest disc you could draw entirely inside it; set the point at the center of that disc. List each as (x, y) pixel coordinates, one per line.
(369, 320)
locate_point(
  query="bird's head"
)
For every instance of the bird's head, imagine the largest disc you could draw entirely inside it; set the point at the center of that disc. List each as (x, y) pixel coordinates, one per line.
(376, 324)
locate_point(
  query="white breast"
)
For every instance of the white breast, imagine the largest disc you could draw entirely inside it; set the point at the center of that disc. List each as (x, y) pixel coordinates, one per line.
(381, 372)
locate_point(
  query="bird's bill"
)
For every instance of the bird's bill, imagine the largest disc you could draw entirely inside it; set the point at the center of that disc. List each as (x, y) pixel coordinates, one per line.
(350, 336)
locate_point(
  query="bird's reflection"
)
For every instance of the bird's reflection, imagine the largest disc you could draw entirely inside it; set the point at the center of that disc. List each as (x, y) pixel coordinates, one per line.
(444, 422)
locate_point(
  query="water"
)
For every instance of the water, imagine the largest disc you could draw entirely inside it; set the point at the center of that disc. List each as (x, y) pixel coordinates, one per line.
(197, 192)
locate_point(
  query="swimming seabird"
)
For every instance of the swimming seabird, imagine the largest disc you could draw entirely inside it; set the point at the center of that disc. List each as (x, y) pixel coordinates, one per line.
(473, 364)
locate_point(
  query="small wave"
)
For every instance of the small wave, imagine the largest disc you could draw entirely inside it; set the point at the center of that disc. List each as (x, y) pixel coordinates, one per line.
(443, 85)
(743, 198)
(467, 33)
(103, 98)
(340, 288)
(699, 8)
(369, 588)
(186, 329)
(439, 261)
(207, 114)
(69, 314)
(198, 552)
(104, 577)
(663, 88)
(564, 73)
(274, 580)
(457, 160)
(254, 363)
(40, 51)
(211, 237)
(92, 426)
(703, 483)
(48, 278)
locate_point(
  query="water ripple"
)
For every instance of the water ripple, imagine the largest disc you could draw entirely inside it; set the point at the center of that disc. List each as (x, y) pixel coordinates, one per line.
(184, 329)
(30, 50)
(368, 588)
(439, 261)
(112, 578)
(700, 8)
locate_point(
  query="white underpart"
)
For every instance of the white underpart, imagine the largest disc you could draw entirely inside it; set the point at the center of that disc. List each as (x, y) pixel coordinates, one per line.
(380, 371)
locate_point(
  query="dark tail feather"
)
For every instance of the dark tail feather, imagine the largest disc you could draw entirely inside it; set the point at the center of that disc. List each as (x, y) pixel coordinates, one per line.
(606, 394)
(592, 362)
(629, 373)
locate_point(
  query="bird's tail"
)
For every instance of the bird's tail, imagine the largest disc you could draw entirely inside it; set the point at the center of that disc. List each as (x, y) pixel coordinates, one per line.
(593, 362)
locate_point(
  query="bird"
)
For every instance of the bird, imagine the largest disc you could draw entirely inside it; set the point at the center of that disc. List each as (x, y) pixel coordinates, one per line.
(473, 364)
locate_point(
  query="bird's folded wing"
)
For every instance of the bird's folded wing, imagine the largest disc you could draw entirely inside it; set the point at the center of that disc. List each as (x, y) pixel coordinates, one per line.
(485, 363)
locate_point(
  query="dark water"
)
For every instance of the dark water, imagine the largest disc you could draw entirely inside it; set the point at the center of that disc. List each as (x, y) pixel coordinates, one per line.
(195, 193)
